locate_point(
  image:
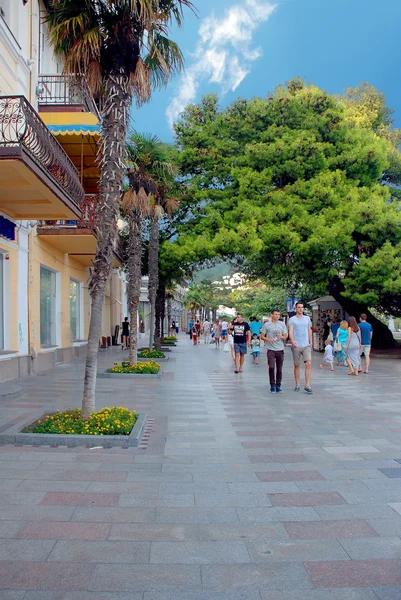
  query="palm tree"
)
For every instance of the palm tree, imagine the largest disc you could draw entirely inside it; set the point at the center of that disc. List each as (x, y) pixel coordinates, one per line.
(122, 47)
(151, 176)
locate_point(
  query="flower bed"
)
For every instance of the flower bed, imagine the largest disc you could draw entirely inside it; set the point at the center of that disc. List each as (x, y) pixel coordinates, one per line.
(141, 368)
(151, 354)
(117, 420)
(169, 338)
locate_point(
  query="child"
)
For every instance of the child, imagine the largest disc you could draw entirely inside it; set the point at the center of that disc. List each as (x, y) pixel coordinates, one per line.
(255, 345)
(328, 356)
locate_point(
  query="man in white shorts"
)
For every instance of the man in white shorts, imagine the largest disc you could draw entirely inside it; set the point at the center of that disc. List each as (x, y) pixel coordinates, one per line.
(300, 334)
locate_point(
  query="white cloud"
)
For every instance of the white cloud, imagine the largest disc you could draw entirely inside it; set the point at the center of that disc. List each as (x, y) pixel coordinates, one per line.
(223, 54)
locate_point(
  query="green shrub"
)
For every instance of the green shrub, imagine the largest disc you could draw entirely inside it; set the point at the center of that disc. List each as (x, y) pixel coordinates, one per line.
(117, 420)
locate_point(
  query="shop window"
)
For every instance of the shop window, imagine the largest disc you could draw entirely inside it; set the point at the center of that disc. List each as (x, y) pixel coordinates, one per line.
(47, 307)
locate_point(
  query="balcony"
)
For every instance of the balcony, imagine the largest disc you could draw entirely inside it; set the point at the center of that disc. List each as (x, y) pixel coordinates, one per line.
(78, 238)
(37, 178)
(65, 93)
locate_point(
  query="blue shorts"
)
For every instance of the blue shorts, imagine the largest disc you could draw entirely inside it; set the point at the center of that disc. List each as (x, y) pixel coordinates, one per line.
(256, 354)
(240, 348)
(224, 332)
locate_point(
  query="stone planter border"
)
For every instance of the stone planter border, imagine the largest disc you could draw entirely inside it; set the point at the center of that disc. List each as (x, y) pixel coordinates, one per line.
(106, 375)
(14, 435)
(165, 359)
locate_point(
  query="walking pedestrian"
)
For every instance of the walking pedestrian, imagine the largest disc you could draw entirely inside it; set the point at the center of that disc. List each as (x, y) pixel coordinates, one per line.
(195, 333)
(255, 326)
(172, 328)
(255, 347)
(198, 330)
(328, 355)
(230, 341)
(242, 340)
(342, 338)
(366, 340)
(224, 331)
(353, 347)
(274, 333)
(206, 331)
(300, 334)
(217, 334)
(125, 334)
(190, 325)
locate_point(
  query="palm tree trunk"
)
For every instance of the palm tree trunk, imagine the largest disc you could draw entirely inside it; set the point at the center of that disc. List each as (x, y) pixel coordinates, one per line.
(169, 308)
(114, 131)
(153, 274)
(160, 300)
(134, 280)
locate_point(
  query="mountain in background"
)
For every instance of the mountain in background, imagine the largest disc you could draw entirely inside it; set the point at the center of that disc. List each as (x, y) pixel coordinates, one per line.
(215, 273)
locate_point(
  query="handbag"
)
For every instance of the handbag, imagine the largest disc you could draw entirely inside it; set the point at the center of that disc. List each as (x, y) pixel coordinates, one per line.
(226, 347)
(337, 346)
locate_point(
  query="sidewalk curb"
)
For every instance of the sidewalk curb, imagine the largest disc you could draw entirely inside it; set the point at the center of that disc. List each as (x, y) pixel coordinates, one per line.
(14, 436)
(107, 375)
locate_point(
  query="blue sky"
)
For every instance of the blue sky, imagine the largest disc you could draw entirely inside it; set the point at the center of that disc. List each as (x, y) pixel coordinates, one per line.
(247, 47)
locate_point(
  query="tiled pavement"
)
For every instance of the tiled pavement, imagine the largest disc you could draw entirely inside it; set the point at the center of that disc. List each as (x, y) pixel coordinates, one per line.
(237, 494)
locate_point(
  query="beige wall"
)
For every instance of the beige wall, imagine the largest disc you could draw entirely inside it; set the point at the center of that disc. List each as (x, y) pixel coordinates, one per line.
(10, 296)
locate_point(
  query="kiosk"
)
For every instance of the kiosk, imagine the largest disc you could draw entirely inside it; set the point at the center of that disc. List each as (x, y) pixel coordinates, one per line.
(322, 308)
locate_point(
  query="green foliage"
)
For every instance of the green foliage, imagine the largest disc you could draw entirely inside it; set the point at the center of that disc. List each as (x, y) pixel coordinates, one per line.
(151, 354)
(117, 420)
(295, 187)
(169, 338)
(258, 299)
(142, 368)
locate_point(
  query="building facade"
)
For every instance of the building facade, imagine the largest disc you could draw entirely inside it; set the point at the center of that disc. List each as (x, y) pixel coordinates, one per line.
(49, 187)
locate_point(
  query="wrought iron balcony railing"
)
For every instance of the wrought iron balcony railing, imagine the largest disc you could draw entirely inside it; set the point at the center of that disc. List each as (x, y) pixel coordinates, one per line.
(21, 128)
(65, 90)
(87, 221)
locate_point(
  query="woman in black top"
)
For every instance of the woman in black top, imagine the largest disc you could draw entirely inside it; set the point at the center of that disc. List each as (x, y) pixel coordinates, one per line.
(125, 333)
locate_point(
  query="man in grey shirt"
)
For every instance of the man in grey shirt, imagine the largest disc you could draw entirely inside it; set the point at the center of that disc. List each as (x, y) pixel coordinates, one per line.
(274, 333)
(300, 333)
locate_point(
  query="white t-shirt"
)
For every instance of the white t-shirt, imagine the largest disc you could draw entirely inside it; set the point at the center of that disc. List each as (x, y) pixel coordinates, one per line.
(206, 326)
(301, 330)
(224, 325)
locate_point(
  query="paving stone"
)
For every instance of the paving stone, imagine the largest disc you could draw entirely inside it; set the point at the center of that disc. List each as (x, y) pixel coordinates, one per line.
(290, 476)
(277, 513)
(83, 596)
(24, 575)
(379, 547)
(21, 498)
(353, 511)
(220, 500)
(36, 513)
(392, 473)
(240, 532)
(196, 515)
(263, 487)
(387, 527)
(201, 595)
(132, 578)
(273, 576)
(160, 533)
(306, 499)
(351, 450)
(79, 499)
(25, 550)
(277, 458)
(153, 500)
(114, 515)
(387, 593)
(100, 552)
(96, 476)
(330, 529)
(199, 553)
(12, 595)
(296, 550)
(9, 529)
(356, 573)
(64, 531)
(396, 506)
(338, 594)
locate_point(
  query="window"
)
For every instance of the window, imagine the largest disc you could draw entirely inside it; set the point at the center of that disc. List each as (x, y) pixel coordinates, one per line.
(75, 310)
(1, 302)
(47, 307)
